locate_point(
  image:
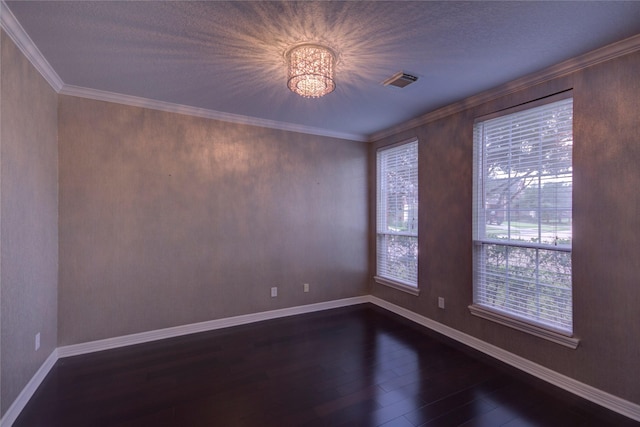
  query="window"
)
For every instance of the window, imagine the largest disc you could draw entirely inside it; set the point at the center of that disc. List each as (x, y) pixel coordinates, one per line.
(522, 219)
(397, 216)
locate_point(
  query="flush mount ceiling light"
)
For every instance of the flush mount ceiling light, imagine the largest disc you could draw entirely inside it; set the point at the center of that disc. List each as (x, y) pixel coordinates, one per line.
(311, 70)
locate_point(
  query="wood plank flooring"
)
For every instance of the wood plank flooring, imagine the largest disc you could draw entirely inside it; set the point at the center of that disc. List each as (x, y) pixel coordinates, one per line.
(354, 366)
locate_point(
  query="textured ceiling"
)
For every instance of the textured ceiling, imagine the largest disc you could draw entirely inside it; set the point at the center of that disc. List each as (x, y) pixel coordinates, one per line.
(228, 56)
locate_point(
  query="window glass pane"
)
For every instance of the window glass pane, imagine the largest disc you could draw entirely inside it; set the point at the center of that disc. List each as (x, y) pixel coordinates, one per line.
(530, 283)
(527, 175)
(397, 213)
(398, 257)
(523, 184)
(398, 189)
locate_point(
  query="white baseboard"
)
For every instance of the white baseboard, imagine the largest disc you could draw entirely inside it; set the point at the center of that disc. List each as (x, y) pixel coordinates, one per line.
(89, 347)
(27, 392)
(159, 334)
(619, 405)
(602, 398)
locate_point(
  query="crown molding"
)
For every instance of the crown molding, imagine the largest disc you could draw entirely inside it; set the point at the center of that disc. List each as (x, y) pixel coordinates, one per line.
(606, 53)
(14, 30)
(19, 36)
(135, 101)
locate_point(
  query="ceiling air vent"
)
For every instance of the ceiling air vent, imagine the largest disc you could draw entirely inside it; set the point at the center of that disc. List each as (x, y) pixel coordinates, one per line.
(400, 79)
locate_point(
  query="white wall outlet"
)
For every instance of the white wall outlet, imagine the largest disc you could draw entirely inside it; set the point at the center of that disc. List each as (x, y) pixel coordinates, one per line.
(37, 341)
(305, 287)
(441, 303)
(274, 292)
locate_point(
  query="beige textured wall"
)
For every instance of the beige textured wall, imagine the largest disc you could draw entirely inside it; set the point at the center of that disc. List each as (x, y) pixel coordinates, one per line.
(28, 221)
(167, 219)
(606, 248)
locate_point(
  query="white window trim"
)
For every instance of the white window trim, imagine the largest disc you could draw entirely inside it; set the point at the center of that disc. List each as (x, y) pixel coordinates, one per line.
(395, 284)
(387, 281)
(509, 319)
(512, 321)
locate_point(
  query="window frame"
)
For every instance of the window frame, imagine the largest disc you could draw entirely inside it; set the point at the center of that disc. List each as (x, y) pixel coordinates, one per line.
(380, 277)
(480, 239)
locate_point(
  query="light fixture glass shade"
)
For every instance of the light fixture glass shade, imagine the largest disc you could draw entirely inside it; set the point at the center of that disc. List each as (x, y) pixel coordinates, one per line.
(311, 70)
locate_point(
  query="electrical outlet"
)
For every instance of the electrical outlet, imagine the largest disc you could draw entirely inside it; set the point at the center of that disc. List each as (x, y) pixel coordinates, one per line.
(441, 303)
(305, 287)
(274, 292)
(37, 341)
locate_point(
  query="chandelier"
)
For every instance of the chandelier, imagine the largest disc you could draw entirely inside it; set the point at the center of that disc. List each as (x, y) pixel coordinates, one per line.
(311, 70)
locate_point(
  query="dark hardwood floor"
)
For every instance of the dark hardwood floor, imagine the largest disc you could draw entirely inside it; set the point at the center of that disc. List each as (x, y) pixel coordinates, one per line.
(354, 366)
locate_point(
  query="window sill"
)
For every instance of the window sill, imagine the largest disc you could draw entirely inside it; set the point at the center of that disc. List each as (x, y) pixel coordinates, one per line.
(397, 285)
(520, 325)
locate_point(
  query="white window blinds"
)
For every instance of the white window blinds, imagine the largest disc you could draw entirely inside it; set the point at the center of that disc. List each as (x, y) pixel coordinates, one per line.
(523, 214)
(397, 213)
